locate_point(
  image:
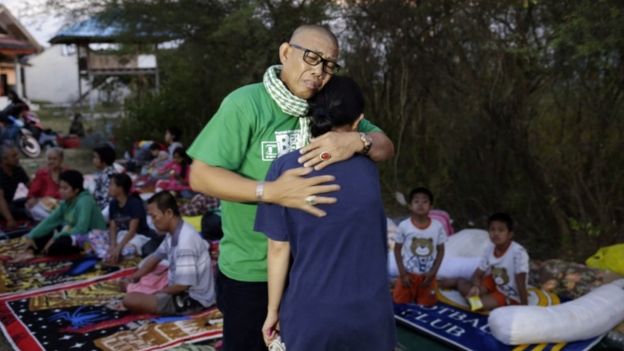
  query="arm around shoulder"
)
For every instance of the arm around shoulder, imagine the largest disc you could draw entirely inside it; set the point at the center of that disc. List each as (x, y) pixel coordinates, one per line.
(221, 183)
(382, 148)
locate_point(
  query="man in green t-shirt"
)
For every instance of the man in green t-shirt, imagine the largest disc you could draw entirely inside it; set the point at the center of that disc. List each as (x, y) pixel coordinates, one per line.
(254, 125)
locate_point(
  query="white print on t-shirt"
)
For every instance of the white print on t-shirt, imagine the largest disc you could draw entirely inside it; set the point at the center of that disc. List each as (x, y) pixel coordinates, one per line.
(504, 269)
(501, 278)
(422, 251)
(285, 142)
(419, 249)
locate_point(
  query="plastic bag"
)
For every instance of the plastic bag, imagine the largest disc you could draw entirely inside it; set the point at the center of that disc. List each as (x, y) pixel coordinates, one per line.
(610, 257)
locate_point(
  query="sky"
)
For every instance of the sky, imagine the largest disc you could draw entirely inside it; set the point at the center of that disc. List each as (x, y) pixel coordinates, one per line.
(41, 26)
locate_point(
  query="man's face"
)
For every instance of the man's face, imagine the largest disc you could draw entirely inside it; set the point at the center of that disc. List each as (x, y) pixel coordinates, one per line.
(161, 219)
(11, 157)
(302, 79)
(67, 192)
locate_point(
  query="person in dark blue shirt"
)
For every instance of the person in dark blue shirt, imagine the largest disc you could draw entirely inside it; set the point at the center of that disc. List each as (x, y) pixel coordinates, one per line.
(127, 220)
(328, 283)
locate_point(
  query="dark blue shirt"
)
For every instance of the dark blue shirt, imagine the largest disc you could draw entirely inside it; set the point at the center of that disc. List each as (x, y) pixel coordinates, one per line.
(132, 209)
(338, 295)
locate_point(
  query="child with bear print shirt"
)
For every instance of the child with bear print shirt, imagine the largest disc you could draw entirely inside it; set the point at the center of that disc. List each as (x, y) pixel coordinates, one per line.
(502, 275)
(419, 250)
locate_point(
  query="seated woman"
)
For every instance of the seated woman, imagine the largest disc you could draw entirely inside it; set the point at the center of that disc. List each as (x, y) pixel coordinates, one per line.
(127, 223)
(159, 159)
(337, 296)
(103, 159)
(43, 193)
(76, 215)
(172, 139)
(173, 176)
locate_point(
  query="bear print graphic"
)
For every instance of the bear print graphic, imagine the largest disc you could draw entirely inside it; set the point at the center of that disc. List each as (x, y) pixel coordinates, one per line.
(422, 254)
(501, 278)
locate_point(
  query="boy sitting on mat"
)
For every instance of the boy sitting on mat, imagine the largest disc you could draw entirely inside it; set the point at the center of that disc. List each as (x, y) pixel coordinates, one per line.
(419, 250)
(191, 286)
(506, 264)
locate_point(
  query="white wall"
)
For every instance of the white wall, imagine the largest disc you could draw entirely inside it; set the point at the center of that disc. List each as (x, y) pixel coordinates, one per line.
(53, 76)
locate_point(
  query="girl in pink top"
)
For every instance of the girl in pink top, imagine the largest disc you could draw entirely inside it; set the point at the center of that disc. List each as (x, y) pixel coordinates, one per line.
(175, 172)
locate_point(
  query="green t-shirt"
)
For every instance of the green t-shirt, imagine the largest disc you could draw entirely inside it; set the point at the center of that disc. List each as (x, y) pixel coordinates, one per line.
(246, 134)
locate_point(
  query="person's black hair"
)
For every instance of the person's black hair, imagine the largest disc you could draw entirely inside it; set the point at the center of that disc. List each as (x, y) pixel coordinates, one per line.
(339, 103)
(503, 218)
(155, 146)
(211, 226)
(421, 190)
(106, 154)
(164, 201)
(186, 161)
(123, 181)
(176, 133)
(73, 178)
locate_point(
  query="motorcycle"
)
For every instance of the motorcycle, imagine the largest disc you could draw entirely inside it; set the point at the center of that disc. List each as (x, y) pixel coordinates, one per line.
(45, 136)
(23, 138)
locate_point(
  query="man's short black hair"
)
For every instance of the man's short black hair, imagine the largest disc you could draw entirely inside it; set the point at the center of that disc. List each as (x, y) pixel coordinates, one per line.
(106, 154)
(123, 181)
(421, 190)
(503, 218)
(73, 178)
(165, 201)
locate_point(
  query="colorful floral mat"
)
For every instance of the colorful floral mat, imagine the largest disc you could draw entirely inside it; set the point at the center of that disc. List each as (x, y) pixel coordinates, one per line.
(89, 316)
(44, 273)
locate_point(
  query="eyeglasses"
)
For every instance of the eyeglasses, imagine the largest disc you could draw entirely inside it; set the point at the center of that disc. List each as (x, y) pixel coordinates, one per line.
(313, 58)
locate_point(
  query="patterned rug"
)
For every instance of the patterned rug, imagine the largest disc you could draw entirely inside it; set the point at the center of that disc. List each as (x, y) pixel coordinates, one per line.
(89, 316)
(44, 273)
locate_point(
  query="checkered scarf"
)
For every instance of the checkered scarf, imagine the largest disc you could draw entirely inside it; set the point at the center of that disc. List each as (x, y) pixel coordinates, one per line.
(288, 102)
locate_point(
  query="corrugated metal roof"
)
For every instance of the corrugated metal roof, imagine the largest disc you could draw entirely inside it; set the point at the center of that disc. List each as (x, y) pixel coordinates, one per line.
(97, 30)
(92, 30)
(16, 47)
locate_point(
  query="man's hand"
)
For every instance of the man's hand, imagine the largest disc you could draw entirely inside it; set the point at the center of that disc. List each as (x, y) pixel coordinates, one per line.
(47, 246)
(124, 282)
(474, 291)
(292, 190)
(27, 243)
(112, 256)
(339, 145)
